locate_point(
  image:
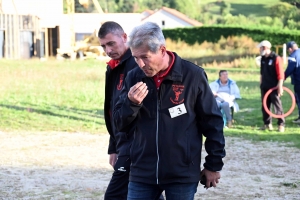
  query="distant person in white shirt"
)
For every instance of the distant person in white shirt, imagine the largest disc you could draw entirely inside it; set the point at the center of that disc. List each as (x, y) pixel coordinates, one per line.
(226, 92)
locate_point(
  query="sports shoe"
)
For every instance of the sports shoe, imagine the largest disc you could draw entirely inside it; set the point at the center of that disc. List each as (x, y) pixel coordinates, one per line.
(297, 121)
(281, 129)
(267, 127)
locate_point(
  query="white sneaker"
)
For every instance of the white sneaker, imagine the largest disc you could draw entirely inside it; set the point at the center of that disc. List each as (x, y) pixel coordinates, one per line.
(267, 127)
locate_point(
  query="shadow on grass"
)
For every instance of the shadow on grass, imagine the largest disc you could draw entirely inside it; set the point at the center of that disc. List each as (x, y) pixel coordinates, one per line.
(31, 109)
(257, 10)
(252, 133)
(260, 10)
(90, 113)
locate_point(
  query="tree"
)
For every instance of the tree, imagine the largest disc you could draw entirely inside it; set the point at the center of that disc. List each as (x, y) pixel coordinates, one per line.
(125, 6)
(271, 22)
(188, 7)
(191, 8)
(283, 10)
(80, 8)
(293, 2)
(225, 8)
(152, 5)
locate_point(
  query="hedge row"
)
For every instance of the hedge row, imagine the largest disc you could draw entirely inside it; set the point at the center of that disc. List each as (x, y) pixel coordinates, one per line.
(214, 33)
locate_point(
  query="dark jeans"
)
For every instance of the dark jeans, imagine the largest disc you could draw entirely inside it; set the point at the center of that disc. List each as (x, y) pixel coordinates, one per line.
(173, 191)
(118, 186)
(297, 96)
(275, 100)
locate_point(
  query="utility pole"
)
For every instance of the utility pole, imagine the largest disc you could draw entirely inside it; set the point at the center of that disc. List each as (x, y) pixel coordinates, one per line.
(71, 11)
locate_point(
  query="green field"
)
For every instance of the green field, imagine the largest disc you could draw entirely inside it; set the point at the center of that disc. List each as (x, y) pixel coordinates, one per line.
(52, 95)
(249, 119)
(68, 96)
(256, 8)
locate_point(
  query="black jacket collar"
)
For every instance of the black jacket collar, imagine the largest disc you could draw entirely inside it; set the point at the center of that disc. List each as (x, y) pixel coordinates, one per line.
(126, 56)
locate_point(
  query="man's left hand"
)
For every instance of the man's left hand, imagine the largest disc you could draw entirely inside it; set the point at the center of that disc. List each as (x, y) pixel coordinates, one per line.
(280, 91)
(212, 178)
(113, 159)
(280, 87)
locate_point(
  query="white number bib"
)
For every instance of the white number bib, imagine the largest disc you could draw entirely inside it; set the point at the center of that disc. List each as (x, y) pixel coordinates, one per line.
(177, 110)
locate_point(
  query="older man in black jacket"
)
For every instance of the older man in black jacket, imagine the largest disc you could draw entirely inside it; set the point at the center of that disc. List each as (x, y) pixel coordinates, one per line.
(169, 102)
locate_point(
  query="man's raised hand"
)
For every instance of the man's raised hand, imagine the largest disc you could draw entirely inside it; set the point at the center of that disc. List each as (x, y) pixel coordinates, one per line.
(138, 92)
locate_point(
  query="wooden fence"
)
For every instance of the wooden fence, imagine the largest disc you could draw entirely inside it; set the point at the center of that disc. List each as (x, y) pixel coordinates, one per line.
(21, 36)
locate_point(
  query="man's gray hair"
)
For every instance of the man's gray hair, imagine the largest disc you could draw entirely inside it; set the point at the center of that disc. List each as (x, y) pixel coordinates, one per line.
(149, 34)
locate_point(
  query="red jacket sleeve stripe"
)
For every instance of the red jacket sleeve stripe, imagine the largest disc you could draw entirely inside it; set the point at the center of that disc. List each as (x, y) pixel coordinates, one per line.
(279, 68)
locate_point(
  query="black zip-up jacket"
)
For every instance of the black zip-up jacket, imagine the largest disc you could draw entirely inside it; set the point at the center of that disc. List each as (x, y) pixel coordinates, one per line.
(119, 142)
(164, 149)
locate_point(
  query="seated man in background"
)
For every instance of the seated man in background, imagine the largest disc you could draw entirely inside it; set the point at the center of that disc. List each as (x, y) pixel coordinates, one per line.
(226, 92)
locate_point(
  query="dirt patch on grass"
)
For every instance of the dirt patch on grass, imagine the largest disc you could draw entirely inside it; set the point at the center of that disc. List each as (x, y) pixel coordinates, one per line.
(74, 166)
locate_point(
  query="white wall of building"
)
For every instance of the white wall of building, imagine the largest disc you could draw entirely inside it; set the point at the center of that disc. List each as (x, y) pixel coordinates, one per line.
(90, 22)
(170, 21)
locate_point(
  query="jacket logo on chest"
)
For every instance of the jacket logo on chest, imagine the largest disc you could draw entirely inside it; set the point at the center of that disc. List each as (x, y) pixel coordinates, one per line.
(178, 90)
(120, 85)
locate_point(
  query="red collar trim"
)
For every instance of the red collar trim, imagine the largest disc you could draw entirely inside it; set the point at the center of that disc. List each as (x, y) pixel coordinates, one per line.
(113, 63)
(159, 78)
(170, 66)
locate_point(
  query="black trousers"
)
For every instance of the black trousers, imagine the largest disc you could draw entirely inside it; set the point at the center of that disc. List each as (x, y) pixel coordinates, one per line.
(118, 186)
(275, 100)
(297, 96)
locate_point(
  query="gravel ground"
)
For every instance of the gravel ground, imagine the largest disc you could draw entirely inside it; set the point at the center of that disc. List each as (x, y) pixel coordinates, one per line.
(74, 166)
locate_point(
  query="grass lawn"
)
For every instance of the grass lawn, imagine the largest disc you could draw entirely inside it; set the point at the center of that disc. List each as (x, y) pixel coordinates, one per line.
(52, 95)
(255, 8)
(249, 119)
(68, 96)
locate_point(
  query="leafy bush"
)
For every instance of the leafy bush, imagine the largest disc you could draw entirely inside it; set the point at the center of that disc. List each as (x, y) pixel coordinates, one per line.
(231, 46)
(282, 10)
(214, 33)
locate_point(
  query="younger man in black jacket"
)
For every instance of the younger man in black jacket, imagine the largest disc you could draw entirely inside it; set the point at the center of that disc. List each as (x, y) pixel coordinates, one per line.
(113, 40)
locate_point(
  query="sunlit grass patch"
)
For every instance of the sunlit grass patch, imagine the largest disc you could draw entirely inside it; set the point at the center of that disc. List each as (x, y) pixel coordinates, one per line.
(52, 95)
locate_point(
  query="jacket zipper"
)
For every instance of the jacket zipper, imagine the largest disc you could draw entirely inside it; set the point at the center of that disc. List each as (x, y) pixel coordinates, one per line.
(157, 111)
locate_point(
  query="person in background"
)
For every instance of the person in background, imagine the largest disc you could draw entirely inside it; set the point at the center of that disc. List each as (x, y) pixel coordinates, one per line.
(226, 92)
(293, 70)
(113, 40)
(271, 75)
(169, 102)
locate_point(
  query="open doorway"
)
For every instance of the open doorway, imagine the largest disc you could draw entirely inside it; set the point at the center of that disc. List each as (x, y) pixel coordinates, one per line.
(52, 40)
(2, 44)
